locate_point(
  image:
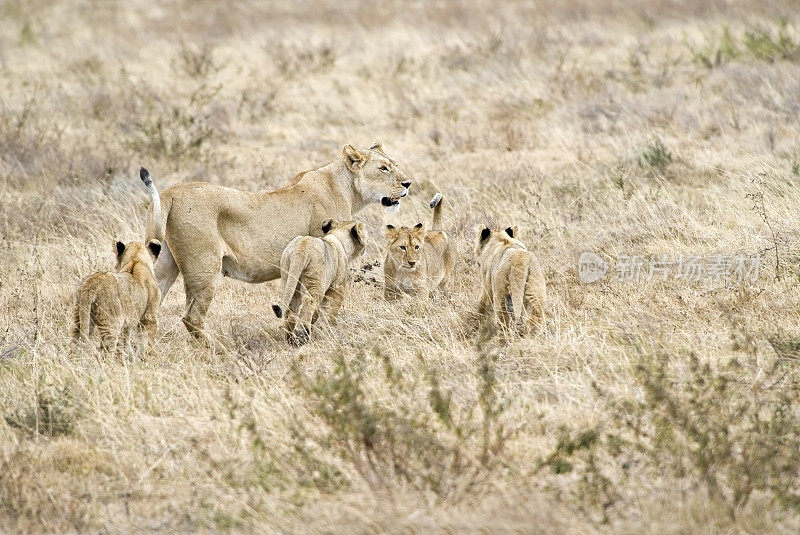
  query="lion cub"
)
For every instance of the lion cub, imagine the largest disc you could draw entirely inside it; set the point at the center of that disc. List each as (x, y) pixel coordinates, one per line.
(115, 302)
(513, 282)
(417, 260)
(321, 268)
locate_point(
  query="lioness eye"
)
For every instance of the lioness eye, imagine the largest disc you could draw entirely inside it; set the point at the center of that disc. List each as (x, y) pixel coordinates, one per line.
(384, 168)
(402, 247)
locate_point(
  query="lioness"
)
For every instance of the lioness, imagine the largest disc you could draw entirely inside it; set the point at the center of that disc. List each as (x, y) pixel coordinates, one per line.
(116, 302)
(207, 229)
(418, 260)
(513, 282)
(321, 268)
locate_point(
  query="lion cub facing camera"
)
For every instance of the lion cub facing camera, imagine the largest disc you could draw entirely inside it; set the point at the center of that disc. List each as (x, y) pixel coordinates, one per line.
(115, 302)
(418, 261)
(314, 275)
(513, 283)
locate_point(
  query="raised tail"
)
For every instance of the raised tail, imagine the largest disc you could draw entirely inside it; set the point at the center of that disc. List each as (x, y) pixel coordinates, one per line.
(154, 228)
(297, 263)
(436, 204)
(517, 279)
(83, 315)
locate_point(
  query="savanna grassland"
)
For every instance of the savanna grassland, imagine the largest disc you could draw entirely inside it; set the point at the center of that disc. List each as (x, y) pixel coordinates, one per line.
(645, 128)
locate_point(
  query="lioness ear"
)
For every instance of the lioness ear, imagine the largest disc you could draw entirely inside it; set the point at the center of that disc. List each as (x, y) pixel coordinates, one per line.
(120, 248)
(357, 232)
(512, 231)
(155, 247)
(327, 225)
(485, 234)
(418, 225)
(352, 158)
(377, 146)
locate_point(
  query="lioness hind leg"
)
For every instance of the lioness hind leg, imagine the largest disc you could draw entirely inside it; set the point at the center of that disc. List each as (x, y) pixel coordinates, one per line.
(332, 302)
(501, 312)
(110, 334)
(198, 299)
(311, 298)
(165, 269)
(291, 317)
(534, 304)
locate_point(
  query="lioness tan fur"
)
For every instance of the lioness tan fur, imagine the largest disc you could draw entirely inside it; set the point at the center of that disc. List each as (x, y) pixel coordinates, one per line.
(207, 229)
(418, 260)
(314, 275)
(116, 302)
(514, 288)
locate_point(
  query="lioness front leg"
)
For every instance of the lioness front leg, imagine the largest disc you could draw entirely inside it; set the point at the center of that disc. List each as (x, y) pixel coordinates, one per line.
(199, 294)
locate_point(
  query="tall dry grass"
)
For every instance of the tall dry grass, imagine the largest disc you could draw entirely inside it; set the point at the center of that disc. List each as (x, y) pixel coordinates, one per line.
(649, 128)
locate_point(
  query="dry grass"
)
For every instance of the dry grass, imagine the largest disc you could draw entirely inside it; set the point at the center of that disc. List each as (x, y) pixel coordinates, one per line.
(645, 128)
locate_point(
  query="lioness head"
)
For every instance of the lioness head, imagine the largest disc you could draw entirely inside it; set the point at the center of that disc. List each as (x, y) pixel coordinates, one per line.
(348, 232)
(487, 236)
(136, 252)
(377, 177)
(405, 245)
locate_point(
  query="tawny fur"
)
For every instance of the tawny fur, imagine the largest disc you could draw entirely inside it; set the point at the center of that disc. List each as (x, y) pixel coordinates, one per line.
(418, 261)
(116, 302)
(514, 290)
(208, 229)
(314, 276)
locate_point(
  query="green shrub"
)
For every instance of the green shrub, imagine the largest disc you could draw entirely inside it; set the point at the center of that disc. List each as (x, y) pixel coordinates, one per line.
(655, 156)
(729, 430)
(765, 45)
(427, 441)
(52, 413)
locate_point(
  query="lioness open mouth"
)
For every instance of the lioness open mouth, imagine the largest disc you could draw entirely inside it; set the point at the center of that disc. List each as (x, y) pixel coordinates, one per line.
(388, 201)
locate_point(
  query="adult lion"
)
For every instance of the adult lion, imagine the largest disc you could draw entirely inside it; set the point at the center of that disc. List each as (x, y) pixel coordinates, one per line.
(206, 229)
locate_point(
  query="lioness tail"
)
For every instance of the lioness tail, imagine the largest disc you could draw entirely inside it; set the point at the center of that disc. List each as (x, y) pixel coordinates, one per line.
(296, 266)
(83, 314)
(154, 228)
(436, 204)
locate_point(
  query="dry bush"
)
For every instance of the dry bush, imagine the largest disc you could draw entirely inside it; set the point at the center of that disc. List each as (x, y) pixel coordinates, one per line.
(730, 431)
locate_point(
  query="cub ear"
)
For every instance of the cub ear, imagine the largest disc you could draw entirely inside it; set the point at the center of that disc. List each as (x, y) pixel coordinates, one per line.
(391, 232)
(485, 233)
(418, 225)
(120, 248)
(512, 231)
(357, 232)
(327, 225)
(155, 247)
(352, 158)
(419, 229)
(378, 146)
